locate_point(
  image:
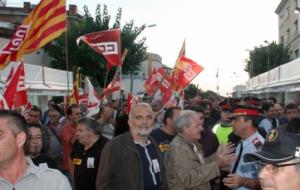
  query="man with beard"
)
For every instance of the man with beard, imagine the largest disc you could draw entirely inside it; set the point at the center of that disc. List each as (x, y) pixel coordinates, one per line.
(131, 161)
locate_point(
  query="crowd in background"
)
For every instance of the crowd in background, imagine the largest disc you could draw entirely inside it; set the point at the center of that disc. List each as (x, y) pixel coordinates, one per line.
(200, 146)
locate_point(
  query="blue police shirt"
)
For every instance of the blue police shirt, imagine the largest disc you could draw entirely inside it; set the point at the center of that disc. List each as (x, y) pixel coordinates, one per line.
(250, 145)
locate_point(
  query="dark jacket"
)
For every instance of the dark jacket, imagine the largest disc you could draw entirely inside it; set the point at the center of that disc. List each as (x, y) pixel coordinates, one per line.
(121, 167)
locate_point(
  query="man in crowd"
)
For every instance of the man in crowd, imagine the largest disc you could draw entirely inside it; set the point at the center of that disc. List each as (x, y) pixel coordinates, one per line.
(244, 175)
(279, 159)
(55, 149)
(106, 122)
(164, 135)
(186, 167)
(35, 116)
(131, 161)
(157, 106)
(224, 128)
(270, 121)
(68, 136)
(86, 153)
(291, 111)
(34, 147)
(16, 170)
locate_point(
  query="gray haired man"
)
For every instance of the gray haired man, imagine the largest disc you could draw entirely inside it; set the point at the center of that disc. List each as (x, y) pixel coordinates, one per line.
(186, 167)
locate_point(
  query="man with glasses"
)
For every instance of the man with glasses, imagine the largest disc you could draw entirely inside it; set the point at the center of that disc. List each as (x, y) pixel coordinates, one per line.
(279, 159)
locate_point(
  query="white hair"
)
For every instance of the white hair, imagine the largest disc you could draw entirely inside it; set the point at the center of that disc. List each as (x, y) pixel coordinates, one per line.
(184, 120)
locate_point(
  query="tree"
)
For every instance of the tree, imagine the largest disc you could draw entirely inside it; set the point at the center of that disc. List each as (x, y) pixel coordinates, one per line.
(258, 59)
(91, 63)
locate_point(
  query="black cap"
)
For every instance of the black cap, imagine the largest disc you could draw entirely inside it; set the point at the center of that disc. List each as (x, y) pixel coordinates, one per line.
(280, 146)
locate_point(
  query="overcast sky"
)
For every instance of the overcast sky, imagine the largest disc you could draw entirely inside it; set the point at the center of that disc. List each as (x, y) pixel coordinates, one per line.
(217, 33)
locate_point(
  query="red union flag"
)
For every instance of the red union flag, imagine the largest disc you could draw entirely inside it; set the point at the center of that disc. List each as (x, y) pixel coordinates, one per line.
(184, 72)
(46, 22)
(114, 85)
(166, 90)
(15, 92)
(106, 43)
(153, 80)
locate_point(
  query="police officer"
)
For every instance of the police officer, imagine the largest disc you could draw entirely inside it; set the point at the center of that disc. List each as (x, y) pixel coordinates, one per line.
(279, 159)
(244, 175)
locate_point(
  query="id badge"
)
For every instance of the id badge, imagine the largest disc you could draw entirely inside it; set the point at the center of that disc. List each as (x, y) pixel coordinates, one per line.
(155, 166)
(90, 162)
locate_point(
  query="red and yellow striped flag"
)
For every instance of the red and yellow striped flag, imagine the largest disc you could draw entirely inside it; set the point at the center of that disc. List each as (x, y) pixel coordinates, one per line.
(74, 97)
(46, 22)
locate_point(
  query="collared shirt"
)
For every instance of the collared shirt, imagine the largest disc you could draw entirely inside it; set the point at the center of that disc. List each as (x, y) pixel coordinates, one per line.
(37, 178)
(250, 145)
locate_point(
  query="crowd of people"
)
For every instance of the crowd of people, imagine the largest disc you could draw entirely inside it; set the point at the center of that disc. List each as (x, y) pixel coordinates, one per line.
(219, 145)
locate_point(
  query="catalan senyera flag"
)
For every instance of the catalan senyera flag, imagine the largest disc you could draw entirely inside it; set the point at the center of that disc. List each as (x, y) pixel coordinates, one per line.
(46, 22)
(186, 71)
(74, 98)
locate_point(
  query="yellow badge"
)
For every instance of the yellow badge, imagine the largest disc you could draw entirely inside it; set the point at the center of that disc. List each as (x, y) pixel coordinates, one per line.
(77, 161)
(272, 135)
(163, 147)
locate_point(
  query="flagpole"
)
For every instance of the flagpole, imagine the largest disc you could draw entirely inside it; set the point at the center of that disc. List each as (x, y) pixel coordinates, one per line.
(67, 63)
(124, 54)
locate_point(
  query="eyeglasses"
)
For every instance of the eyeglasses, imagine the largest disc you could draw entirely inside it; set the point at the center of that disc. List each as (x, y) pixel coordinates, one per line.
(272, 168)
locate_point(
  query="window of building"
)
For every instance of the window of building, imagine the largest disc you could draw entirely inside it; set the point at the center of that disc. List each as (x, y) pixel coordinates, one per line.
(287, 12)
(296, 28)
(288, 35)
(296, 53)
(282, 40)
(296, 3)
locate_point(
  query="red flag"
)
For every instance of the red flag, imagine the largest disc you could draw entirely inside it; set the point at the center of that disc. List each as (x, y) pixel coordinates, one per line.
(166, 89)
(131, 101)
(184, 72)
(25, 110)
(92, 99)
(15, 91)
(106, 43)
(153, 80)
(46, 22)
(114, 85)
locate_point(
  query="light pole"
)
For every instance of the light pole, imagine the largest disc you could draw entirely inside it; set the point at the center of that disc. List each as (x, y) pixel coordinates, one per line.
(268, 64)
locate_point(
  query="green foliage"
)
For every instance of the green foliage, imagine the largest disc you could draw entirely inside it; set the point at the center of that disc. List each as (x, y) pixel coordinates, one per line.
(92, 64)
(258, 59)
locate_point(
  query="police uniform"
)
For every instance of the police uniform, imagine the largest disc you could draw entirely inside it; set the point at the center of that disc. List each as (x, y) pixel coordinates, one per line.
(250, 145)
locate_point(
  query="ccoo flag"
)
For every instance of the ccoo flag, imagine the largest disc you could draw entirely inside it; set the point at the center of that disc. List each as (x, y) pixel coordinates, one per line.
(106, 43)
(46, 22)
(184, 72)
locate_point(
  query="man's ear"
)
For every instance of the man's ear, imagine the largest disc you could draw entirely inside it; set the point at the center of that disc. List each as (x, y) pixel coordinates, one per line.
(21, 139)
